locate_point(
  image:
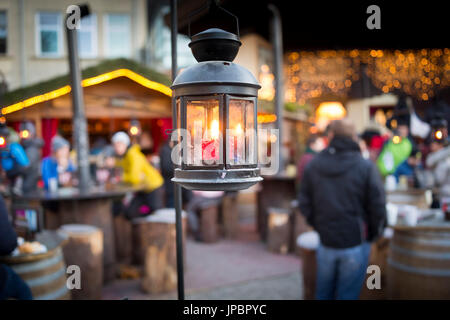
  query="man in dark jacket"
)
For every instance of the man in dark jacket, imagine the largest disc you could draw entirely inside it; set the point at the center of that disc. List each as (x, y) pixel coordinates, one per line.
(32, 146)
(342, 198)
(11, 285)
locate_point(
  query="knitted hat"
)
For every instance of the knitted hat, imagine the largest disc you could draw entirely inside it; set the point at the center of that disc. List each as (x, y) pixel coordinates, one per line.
(58, 142)
(121, 137)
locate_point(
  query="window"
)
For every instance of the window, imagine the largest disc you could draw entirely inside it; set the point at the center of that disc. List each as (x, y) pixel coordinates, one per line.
(87, 37)
(3, 32)
(49, 34)
(117, 35)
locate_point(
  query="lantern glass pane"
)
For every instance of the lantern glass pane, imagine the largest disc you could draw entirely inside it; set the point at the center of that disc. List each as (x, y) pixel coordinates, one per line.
(241, 132)
(203, 125)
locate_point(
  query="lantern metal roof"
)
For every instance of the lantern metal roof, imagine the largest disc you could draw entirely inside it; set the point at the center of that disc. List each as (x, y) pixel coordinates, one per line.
(215, 49)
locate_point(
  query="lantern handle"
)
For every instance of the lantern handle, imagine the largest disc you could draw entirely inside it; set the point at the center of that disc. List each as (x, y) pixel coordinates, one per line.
(211, 4)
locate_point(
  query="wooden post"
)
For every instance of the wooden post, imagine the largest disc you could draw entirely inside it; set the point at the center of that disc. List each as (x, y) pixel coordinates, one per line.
(146, 232)
(278, 230)
(123, 239)
(85, 250)
(209, 227)
(299, 225)
(155, 243)
(230, 216)
(307, 244)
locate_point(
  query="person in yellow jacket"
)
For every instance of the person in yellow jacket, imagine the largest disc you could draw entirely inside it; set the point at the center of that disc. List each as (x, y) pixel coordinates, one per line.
(137, 171)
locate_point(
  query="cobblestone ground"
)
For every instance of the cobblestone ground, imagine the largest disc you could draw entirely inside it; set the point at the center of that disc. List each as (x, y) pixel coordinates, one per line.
(229, 269)
(282, 287)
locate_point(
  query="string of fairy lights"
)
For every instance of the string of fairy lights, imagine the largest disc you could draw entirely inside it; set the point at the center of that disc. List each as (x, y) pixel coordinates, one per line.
(419, 73)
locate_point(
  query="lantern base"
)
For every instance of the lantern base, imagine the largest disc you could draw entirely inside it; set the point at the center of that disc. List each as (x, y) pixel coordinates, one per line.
(217, 180)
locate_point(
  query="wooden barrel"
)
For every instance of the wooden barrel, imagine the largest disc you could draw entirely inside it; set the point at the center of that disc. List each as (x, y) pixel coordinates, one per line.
(419, 263)
(45, 275)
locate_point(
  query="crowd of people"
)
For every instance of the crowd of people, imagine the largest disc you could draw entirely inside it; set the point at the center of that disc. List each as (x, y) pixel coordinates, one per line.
(340, 183)
(122, 161)
(342, 194)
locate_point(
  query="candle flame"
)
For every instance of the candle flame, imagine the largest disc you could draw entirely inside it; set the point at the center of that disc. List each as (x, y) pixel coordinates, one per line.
(238, 129)
(215, 129)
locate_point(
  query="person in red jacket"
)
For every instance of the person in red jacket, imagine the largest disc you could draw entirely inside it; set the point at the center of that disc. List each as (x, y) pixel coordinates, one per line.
(11, 285)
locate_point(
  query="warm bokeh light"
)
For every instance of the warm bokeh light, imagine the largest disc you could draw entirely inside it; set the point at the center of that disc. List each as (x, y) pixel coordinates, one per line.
(419, 73)
(396, 139)
(2, 142)
(24, 134)
(86, 83)
(266, 118)
(439, 135)
(331, 110)
(134, 131)
(266, 78)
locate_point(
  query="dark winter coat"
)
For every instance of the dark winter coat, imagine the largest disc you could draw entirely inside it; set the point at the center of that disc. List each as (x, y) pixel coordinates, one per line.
(8, 238)
(342, 196)
(33, 150)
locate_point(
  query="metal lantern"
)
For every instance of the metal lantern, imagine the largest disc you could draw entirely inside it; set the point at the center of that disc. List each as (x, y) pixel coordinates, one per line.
(216, 105)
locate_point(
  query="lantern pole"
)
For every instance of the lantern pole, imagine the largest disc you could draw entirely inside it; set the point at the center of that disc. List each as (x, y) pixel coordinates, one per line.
(177, 187)
(277, 41)
(79, 116)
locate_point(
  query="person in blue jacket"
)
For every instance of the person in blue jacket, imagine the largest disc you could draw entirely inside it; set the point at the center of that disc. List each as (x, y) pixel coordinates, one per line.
(57, 166)
(14, 160)
(408, 167)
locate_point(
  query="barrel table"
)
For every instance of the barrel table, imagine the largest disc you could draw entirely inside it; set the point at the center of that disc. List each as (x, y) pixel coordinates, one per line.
(91, 207)
(45, 273)
(419, 261)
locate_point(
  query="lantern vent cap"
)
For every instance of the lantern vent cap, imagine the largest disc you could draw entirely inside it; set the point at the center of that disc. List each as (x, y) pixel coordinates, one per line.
(215, 45)
(215, 72)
